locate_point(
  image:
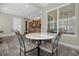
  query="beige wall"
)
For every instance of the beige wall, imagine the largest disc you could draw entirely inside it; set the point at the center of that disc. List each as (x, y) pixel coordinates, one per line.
(43, 21)
(72, 41)
(23, 25)
(6, 23)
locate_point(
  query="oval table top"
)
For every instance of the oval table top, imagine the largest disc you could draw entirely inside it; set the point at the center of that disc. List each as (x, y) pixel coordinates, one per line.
(40, 36)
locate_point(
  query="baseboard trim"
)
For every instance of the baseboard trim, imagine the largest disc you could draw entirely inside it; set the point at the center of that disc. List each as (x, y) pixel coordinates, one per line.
(7, 35)
(69, 45)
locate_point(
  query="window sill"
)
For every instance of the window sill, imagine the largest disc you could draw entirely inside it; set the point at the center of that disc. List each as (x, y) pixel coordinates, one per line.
(70, 35)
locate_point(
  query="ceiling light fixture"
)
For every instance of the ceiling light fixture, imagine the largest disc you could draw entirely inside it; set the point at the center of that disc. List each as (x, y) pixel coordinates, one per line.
(26, 5)
(5, 9)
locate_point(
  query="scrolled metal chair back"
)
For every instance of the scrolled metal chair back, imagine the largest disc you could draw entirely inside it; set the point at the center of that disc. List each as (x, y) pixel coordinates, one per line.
(21, 40)
(55, 43)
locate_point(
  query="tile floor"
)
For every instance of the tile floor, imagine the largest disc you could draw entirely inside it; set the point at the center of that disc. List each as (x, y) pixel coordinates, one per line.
(10, 47)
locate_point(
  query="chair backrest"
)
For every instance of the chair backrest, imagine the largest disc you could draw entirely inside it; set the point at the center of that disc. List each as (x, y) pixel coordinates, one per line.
(55, 43)
(21, 40)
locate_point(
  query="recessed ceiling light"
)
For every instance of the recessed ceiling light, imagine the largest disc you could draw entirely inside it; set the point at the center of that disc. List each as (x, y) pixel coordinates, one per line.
(5, 9)
(26, 6)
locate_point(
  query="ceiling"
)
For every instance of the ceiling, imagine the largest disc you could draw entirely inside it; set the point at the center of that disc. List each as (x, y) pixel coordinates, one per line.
(27, 10)
(48, 6)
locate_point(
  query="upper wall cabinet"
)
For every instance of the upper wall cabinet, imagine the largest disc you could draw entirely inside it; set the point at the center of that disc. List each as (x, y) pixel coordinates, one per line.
(62, 19)
(34, 26)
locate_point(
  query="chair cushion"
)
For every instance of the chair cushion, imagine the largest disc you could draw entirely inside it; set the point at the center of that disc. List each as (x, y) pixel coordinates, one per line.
(29, 46)
(48, 47)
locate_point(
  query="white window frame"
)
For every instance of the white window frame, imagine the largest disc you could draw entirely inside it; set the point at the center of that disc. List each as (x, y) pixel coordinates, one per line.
(57, 8)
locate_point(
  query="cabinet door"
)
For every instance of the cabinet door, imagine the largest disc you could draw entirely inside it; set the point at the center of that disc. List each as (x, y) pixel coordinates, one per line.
(35, 26)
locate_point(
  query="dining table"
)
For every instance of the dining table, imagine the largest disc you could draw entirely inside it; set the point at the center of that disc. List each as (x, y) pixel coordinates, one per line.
(42, 36)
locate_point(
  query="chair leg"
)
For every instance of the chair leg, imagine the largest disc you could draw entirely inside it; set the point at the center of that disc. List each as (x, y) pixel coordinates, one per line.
(29, 40)
(50, 40)
(24, 53)
(20, 52)
(52, 54)
(57, 52)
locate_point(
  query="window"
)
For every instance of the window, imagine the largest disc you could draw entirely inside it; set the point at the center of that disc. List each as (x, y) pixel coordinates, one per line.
(52, 22)
(65, 18)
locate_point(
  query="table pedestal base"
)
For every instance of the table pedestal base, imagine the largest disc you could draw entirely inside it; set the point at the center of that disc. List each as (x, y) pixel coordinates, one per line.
(39, 42)
(0, 40)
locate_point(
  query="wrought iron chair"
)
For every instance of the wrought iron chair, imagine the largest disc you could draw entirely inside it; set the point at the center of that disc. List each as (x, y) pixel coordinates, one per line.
(25, 47)
(52, 47)
(1, 32)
